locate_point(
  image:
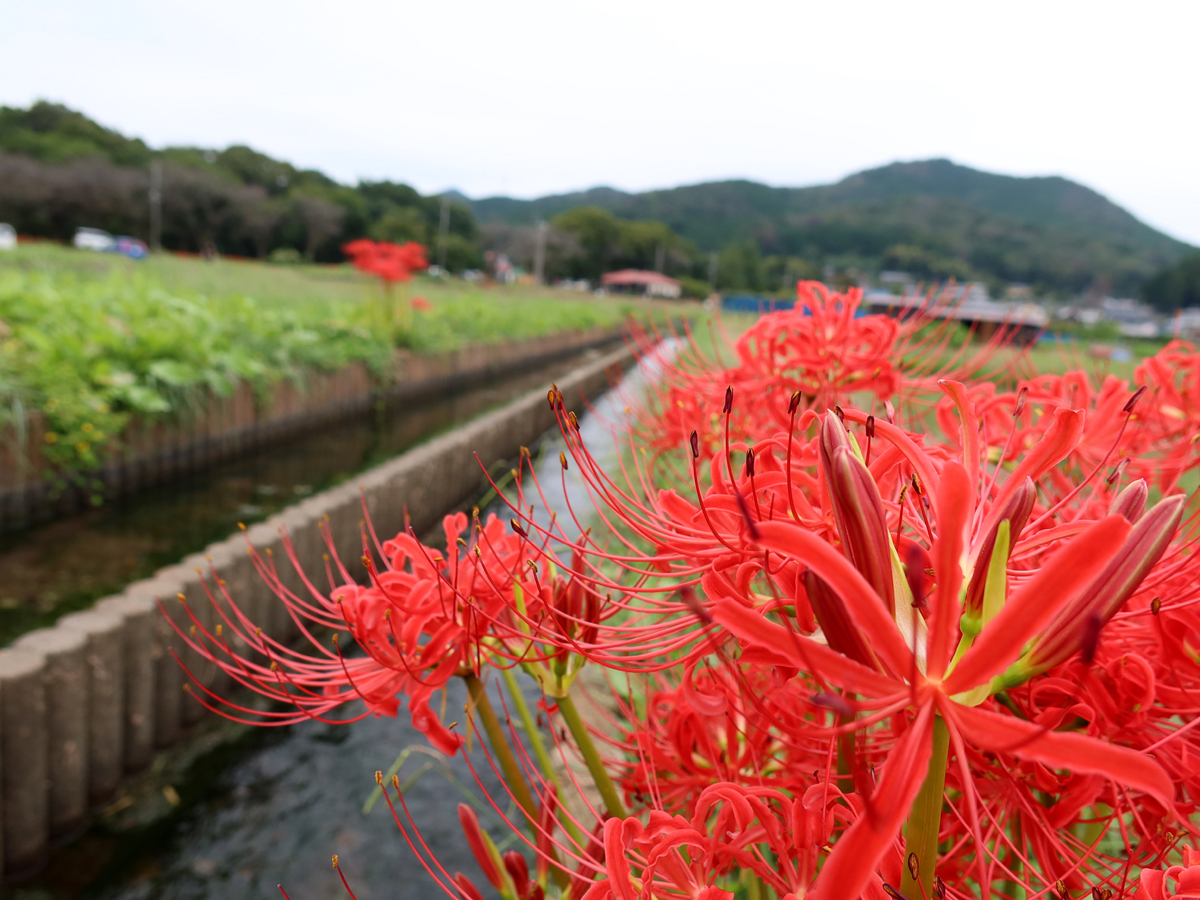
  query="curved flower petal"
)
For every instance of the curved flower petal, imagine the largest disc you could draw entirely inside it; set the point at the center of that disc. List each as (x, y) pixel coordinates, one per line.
(866, 608)
(803, 652)
(1029, 610)
(1062, 750)
(954, 513)
(858, 851)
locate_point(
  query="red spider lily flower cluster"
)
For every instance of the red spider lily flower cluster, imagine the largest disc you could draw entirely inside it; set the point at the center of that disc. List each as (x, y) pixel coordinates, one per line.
(849, 657)
(388, 262)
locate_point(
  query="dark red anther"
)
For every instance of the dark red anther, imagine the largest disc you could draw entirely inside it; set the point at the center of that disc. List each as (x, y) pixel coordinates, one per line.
(917, 576)
(695, 441)
(751, 525)
(552, 398)
(749, 463)
(793, 403)
(914, 866)
(834, 702)
(939, 887)
(870, 428)
(1021, 395)
(562, 460)
(692, 602)
(892, 892)
(916, 485)
(1117, 470)
(1090, 640)
(1061, 887)
(1155, 606)
(516, 526)
(841, 415)
(1132, 401)
(728, 401)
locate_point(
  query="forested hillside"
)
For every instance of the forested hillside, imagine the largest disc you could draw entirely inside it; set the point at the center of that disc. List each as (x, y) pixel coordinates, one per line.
(933, 219)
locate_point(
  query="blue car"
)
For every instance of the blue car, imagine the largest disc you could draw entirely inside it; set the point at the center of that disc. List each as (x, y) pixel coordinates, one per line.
(130, 246)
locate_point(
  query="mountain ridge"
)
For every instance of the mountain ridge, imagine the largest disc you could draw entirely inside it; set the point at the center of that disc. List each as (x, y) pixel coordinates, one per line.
(935, 217)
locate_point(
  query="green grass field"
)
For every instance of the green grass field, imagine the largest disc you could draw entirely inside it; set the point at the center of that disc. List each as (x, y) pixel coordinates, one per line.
(92, 339)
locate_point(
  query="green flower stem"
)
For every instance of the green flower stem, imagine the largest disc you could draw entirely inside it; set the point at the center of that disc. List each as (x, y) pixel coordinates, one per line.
(512, 771)
(925, 818)
(608, 792)
(847, 751)
(539, 747)
(504, 755)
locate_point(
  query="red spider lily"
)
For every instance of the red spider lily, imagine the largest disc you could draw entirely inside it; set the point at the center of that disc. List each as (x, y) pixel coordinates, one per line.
(911, 652)
(388, 262)
(1121, 427)
(672, 856)
(831, 626)
(822, 351)
(1153, 884)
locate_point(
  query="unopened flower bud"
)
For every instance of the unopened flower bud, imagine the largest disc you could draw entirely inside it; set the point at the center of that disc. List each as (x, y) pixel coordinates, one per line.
(1131, 502)
(481, 846)
(467, 887)
(1016, 512)
(1081, 621)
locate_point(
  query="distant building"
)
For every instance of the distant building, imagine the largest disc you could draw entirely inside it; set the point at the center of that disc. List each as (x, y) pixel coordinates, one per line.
(1134, 320)
(648, 284)
(969, 304)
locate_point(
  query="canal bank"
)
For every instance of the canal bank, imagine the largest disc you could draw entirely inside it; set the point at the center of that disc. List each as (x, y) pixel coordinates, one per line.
(56, 752)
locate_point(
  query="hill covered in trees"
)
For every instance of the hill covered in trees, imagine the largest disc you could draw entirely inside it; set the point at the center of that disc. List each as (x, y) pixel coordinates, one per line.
(934, 219)
(60, 170)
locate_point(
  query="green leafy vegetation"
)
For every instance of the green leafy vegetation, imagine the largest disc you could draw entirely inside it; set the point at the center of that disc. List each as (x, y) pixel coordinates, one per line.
(92, 341)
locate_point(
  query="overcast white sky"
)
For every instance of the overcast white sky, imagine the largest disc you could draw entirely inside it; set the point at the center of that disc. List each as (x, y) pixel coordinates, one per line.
(529, 98)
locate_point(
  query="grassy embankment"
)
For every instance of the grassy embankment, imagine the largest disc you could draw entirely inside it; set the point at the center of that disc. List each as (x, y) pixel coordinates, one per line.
(92, 339)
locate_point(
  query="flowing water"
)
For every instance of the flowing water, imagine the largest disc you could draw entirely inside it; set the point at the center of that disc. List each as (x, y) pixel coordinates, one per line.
(66, 564)
(238, 811)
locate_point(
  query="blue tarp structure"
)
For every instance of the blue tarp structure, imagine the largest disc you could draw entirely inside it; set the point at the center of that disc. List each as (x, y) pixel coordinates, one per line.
(750, 303)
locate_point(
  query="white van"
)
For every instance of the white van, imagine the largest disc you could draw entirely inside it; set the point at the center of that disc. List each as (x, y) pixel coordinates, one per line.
(8, 237)
(94, 239)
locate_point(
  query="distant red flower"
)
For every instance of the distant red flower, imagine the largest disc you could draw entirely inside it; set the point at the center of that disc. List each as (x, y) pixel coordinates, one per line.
(422, 304)
(388, 262)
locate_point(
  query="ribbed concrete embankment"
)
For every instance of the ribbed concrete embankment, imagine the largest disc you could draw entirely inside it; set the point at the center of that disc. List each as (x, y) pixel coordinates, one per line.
(151, 453)
(97, 695)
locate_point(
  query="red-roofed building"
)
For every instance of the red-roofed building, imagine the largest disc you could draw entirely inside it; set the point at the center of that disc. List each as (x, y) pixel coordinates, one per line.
(635, 281)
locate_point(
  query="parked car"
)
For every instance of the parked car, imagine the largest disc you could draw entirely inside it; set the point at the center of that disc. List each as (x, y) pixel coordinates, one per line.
(103, 242)
(94, 239)
(8, 237)
(131, 247)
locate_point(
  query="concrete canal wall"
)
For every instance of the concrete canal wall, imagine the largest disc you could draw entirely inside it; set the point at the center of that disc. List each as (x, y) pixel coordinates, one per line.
(151, 453)
(99, 694)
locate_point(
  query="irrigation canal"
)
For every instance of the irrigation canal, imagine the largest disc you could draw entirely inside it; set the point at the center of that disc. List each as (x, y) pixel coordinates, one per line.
(235, 810)
(66, 564)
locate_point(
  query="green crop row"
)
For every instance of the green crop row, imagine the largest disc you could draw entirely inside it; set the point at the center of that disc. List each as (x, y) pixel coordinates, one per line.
(92, 344)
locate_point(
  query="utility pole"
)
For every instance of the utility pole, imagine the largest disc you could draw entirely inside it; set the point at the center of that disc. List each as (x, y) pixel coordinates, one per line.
(712, 271)
(156, 204)
(660, 256)
(539, 253)
(443, 231)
